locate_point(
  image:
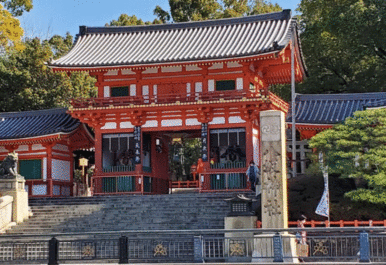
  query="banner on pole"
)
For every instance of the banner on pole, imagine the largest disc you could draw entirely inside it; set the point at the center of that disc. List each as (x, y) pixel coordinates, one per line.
(323, 206)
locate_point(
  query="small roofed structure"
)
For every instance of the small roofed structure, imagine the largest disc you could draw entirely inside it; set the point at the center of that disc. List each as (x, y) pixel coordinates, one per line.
(45, 141)
(317, 112)
(240, 205)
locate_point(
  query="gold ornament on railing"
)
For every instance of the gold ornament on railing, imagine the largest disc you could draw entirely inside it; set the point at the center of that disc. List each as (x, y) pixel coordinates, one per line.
(320, 247)
(88, 251)
(160, 250)
(236, 250)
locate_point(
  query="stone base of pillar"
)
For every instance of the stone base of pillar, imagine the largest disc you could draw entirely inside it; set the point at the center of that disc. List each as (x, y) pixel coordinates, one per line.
(240, 245)
(264, 250)
(15, 188)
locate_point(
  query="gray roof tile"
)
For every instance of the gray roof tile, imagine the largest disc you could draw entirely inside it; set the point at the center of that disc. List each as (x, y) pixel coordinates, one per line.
(25, 124)
(179, 42)
(333, 108)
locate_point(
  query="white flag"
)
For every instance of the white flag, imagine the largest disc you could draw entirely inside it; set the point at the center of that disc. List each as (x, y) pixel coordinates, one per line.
(323, 206)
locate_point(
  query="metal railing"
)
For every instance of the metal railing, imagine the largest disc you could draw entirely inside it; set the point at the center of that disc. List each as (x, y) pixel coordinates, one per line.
(216, 245)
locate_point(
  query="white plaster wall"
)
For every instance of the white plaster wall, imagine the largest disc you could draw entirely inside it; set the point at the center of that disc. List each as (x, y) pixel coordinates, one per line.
(150, 124)
(198, 87)
(61, 147)
(112, 72)
(171, 69)
(192, 122)
(171, 123)
(39, 189)
(106, 91)
(188, 89)
(109, 125)
(133, 90)
(235, 119)
(192, 68)
(3, 149)
(38, 147)
(127, 72)
(45, 168)
(61, 170)
(218, 120)
(255, 142)
(239, 84)
(126, 125)
(210, 85)
(22, 148)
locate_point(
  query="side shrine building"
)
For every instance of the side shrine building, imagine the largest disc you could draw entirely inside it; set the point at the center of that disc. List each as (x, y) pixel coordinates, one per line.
(206, 80)
(44, 141)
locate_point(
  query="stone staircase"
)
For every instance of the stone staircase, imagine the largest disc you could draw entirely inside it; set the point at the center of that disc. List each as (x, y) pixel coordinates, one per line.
(125, 212)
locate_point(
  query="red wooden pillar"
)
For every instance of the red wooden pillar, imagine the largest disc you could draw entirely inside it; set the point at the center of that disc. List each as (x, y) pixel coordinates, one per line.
(72, 168)
(204, 79)
(49, 169)
(249, 142)
(98, 158)
(98, 150)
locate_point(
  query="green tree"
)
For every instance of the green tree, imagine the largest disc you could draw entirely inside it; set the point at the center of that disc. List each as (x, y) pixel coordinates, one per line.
(182, 156)
(197, 10)
(263, 6)
(344, 44)
(126, 20)
(10, 29)
(357, 149)
(61, 45)
(26, 83)
(17, 7)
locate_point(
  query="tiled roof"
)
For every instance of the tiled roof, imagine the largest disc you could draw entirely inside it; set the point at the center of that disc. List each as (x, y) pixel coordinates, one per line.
(179, 42)
(25, 124)
(333, 108)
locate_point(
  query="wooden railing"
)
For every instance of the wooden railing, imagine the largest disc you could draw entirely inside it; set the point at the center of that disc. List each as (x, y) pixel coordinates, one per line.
(162, 99)
(184, 184)
(340, 223)
(228, 165)
(122, 184)
(120, 168)
(224, 181)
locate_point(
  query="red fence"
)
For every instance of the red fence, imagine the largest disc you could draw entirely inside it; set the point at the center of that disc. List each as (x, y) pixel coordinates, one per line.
(184, 184)
(340, 223)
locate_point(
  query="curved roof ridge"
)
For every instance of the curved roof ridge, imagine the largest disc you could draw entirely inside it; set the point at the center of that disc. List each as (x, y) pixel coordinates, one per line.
(33, 113)
(341, 96)
(282, 15)
(26, 124)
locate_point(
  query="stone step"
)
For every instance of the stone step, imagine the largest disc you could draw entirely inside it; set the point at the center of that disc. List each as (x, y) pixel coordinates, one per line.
(126, 212)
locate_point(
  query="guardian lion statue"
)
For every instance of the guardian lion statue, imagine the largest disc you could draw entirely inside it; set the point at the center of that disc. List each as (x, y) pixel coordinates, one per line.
(8, 166)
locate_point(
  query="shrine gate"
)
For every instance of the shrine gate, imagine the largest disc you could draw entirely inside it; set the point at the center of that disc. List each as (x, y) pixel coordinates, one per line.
(206, 80)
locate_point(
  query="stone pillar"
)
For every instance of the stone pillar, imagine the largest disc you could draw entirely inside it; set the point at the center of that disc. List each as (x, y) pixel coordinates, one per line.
(273, 170)
(274, 208)
(15, 188)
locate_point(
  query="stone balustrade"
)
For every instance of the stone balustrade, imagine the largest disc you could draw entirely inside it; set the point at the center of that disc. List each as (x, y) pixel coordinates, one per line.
(6, 213)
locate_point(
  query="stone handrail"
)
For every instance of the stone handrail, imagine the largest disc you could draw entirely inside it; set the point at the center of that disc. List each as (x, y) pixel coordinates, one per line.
(5, 213)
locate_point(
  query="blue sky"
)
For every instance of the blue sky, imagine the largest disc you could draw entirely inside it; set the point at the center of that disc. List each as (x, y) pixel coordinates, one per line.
(50, 17)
